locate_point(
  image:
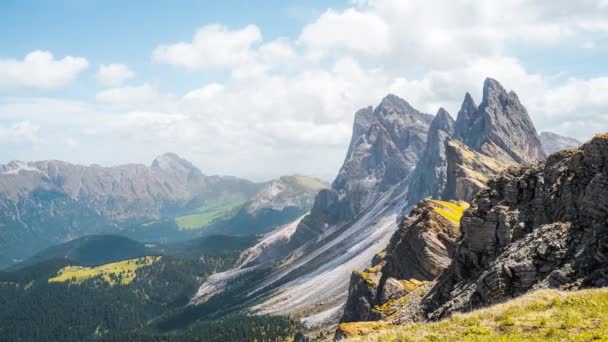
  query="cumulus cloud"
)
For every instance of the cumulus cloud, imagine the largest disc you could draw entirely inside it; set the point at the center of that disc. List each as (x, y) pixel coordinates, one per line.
(287, 104)
(113, 75)
(40, 69)
(213, 46)
(142, 97)
(362, 32)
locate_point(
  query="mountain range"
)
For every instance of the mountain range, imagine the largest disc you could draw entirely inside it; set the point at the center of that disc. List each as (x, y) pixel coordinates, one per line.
(429, 215)
(49, 202)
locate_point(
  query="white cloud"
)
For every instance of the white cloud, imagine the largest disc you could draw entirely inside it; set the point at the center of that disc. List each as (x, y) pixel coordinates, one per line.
(205, 93)
(213, 46)
(363, 32)
(39, 69)
(288, 104)
(113, 75)
(142, 97)
(23, 132)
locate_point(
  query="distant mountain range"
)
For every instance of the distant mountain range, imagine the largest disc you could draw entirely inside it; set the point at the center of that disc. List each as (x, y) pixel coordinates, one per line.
(48, 202)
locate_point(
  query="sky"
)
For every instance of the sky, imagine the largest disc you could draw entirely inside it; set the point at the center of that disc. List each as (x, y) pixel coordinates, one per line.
(259, 89)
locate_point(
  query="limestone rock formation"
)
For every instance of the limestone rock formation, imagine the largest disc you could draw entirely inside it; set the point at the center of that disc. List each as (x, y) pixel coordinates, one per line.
(461, 156)
(386, 145)
(418, 252)
(458, 161)
(535, 226)
(431, 174)
(467, 171)
(500, 127)
(348, 223)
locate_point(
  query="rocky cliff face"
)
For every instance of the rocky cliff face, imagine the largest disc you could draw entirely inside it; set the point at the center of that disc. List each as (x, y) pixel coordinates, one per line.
(554, 142)
(461, 156)
(309, 267)
(467, 171)
(458, 161)
(417, 253)
(431, 174)
(386, 145)
(535, 226)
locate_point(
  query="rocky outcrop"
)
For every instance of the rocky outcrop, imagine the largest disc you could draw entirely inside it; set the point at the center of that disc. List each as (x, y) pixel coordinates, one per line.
(467, 171)
(419, 251)
(554, 142)
(431, 174)
(385, 148)
(458, 161)
(461, 156)
(535, 226)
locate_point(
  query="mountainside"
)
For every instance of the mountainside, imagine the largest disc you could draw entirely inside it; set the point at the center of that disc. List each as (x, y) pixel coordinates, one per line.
(554, 142)
(418, 252)
(49, 202)
(311, 259)
(535, 226)
(397, 156)
(278, 202)
(460, 158)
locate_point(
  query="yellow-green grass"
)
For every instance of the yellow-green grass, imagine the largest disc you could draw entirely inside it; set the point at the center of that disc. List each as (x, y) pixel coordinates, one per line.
(116, 273)
(361, 328)
(601, 136)
(544, 315)
(207, 215)
(451, 211)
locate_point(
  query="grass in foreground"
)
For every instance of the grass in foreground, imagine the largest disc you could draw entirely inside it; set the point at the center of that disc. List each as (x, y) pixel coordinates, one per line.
(545, 315)
(117, 273)
(209, 214)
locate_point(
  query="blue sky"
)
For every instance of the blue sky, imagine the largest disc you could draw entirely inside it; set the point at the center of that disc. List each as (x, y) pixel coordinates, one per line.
(260, 89)
(107, 31)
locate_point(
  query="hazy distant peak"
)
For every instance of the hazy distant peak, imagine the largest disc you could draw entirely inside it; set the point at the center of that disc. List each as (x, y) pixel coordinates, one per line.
(172, 162)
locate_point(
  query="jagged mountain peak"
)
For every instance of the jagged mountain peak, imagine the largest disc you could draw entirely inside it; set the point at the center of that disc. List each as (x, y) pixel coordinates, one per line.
(500, 127)
(466, 117)
(492, 88)
(393, 103)
(443, 121)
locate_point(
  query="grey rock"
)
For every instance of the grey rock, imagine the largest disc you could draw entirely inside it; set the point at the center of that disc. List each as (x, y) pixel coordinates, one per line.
(535, 226)
(500, 127)
(553, 142)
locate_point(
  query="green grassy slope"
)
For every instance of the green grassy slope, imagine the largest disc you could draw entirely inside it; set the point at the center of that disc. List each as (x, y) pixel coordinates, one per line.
(544, 315)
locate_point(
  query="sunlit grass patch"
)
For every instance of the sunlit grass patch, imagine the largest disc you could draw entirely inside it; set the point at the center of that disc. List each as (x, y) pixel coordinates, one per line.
(545, 315)
(117, 273)
(206, 215)
(451, 211)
